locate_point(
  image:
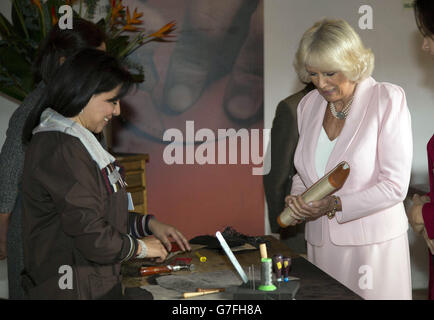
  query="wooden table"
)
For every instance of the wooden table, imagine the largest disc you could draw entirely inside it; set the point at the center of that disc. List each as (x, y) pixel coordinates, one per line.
(314, 283)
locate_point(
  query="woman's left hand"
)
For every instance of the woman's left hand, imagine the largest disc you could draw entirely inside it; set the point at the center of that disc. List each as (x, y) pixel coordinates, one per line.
(311, 210)
(417, 199)
(415, 214)
(415, 218)
(163, 231)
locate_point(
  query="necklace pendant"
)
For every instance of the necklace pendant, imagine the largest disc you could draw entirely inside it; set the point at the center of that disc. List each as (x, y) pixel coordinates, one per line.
(340, 115)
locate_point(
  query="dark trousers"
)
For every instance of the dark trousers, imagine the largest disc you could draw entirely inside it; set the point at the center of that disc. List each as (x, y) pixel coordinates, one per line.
(15, 253)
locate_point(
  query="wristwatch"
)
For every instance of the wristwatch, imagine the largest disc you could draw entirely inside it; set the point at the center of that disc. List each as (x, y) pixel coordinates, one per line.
(332, 213)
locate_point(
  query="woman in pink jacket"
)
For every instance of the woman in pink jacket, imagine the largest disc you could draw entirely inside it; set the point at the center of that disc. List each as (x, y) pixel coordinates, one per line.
(359, 234)
(421, 214)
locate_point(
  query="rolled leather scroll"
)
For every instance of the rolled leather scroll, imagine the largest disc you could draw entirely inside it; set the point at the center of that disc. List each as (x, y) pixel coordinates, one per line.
(327, 185)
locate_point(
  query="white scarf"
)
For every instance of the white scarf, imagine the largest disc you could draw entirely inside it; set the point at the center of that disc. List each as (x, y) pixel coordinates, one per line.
(53, 121)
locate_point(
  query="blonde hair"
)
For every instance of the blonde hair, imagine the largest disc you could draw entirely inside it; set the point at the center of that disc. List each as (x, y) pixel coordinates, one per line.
(332, 45)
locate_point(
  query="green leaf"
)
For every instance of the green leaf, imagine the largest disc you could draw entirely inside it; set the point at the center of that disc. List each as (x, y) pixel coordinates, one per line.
(15, 63)
(13, 92)
(138, 77)
(18, 19)
(116, 45)
(5, 27)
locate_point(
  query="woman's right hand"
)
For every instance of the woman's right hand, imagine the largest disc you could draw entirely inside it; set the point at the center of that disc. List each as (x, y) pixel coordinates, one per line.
(415, 217)
(312, 210)
(155, 249)
(420, 200)
(289, 201)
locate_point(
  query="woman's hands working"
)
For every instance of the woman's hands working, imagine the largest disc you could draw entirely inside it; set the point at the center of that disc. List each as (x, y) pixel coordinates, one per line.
(163, 231)
(158, 245)
(312, 210)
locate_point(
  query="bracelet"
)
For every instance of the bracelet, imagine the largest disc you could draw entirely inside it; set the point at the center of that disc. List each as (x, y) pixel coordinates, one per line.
(332, 213)
(132, 250)
(144, 250)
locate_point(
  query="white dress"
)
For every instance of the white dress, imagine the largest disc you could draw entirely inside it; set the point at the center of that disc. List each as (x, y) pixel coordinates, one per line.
(363, 269)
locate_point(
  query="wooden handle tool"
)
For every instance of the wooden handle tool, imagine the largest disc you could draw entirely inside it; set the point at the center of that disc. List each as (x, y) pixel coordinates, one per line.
(187, 295)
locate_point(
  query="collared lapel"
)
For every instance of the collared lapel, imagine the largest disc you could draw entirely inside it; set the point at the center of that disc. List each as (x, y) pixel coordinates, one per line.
(362, 97)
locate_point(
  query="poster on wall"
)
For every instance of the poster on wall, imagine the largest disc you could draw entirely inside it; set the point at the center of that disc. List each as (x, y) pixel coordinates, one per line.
(199, 115)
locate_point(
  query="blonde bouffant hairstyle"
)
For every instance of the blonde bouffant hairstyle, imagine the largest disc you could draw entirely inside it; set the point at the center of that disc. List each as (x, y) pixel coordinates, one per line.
(332, 45)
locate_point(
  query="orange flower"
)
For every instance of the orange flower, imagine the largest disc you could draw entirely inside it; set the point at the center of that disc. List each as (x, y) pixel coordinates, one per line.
(129, 27)
(116, 11)
(165, 31)
(37, 3)
(134, 20)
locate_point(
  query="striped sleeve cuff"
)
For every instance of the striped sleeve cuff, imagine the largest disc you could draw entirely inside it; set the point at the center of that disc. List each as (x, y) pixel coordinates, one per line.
(139, 225)
(132, 249)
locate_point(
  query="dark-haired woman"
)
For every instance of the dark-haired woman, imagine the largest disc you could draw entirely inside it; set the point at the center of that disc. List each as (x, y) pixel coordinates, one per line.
(58, 45)
(75, 207)
(421, 215)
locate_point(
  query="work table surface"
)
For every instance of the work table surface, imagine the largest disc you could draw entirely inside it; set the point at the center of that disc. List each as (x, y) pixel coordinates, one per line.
(314, 283)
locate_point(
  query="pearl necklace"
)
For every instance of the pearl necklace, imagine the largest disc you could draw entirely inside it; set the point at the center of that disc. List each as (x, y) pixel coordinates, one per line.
(341, 114)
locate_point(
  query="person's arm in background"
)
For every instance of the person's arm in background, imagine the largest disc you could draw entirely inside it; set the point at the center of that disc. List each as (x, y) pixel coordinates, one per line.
(415, 213)
(11, 167)
(284, 137)
(11, 164)
(284, 140)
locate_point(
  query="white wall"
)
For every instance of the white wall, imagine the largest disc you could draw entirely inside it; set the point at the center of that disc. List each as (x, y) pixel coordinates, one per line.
(396, 44)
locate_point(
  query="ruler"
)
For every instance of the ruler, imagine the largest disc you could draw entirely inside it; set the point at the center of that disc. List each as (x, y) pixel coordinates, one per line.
(231, 257)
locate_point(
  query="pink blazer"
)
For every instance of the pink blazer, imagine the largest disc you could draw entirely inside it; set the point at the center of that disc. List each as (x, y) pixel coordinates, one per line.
(376, 141)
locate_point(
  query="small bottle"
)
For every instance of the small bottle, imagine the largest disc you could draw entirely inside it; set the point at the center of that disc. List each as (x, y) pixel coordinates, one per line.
(277, 266)
(286, 268)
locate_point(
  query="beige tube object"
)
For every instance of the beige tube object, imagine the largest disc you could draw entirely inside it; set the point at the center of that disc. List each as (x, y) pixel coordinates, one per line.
(263, 250)
(330, 183)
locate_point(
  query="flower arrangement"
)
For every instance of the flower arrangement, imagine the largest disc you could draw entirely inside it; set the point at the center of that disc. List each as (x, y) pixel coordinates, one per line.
(31, 20)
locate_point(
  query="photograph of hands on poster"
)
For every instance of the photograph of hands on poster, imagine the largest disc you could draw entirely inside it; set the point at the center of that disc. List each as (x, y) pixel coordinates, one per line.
(210, 77)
